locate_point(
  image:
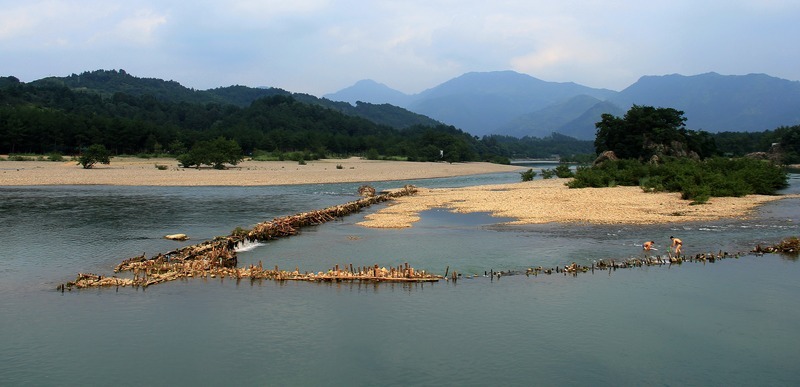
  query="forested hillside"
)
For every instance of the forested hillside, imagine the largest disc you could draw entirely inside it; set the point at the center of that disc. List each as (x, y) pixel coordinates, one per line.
(130, 115)
(109, 82)
(53, 118)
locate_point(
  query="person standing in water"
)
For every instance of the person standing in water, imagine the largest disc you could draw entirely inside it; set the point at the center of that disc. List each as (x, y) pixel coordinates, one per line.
(677, 244)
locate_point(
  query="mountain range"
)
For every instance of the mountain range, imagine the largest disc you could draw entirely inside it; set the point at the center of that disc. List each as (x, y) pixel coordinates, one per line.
(110, 82)
(514, 104)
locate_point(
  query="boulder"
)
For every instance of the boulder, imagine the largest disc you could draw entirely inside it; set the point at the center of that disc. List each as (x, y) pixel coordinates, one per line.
(607, 155)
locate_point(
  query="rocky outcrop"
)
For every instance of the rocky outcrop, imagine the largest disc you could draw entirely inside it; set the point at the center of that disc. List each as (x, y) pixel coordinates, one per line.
(775, 154)
(605, 156)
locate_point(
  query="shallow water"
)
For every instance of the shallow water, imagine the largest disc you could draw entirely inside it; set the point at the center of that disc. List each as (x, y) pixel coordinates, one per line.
(723, 323)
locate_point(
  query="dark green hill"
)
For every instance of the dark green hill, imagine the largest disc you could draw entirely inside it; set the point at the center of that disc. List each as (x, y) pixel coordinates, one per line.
(131, 115)
(106, 83)
(49, 116)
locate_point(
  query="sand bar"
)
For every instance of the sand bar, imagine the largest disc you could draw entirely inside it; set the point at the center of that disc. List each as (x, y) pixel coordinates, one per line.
(535, 202)
(548, 201)
(131, 171)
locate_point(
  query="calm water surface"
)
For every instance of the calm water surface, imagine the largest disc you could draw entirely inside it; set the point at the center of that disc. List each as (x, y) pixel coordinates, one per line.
(732, 322)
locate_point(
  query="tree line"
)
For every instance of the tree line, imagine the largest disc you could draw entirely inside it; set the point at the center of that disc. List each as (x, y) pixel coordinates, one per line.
(49, 117)
(55, 116)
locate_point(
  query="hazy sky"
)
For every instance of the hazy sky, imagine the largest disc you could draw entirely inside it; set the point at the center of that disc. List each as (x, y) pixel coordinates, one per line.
(319, 46)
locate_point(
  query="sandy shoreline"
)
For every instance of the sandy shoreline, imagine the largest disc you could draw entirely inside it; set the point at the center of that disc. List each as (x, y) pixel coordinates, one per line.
(535, 202)
(550, 201)
(136, 171)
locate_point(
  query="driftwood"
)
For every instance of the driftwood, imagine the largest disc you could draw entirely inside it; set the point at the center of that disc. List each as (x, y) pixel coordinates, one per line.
(217, 257)
(366, 191)
(153, 271)
(787, 246)
(148, 273)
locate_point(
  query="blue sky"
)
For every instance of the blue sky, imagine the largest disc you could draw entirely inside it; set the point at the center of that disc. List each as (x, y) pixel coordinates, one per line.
(319, 46)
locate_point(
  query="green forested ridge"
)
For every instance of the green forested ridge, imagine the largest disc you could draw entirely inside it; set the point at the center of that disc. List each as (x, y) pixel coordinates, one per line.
(131, 115)
(742, 143)
(110, 82)
(66, 115)
(539, 148)
(51, 118)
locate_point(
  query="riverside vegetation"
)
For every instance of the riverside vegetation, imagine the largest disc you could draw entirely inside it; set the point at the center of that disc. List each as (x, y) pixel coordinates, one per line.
(696, 180)
(145, 116)
(650, 147)
(70, 115)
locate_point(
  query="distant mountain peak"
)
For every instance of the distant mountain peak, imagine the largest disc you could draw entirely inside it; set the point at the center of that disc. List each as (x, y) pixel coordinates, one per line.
(508, 102)
(368, 90)
(368, 82)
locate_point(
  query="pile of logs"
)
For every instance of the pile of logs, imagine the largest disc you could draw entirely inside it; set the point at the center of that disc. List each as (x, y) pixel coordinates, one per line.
(289, 225)
(217, 257)
(787, 246)
(149, 272)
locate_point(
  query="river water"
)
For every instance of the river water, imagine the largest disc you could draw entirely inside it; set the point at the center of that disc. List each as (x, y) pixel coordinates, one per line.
(733, 322)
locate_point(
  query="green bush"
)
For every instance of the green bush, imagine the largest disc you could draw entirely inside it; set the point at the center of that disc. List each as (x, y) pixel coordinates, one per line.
(695, 180)
(18, 157)
(563, 171)
(652, 184)
(500, 160)
(528, 175)
(592, 177)
(548, 173)
(215, 153)
(96, 153)
(299, 155)
(55, 156)
(372, 154)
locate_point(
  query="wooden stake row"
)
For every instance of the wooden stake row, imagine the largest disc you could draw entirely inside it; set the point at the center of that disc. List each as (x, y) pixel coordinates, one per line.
(217, 257)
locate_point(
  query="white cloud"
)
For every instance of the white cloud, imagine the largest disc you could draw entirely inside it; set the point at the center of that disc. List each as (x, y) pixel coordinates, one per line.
(318, 46)
(76, 24)
(137, 29)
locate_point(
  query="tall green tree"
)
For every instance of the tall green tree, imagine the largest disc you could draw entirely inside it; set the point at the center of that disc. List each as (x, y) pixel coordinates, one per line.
(95, 153)
(215, 153)
(645, 131)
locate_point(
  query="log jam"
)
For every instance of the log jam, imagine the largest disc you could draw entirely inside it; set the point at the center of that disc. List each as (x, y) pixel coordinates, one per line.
(217, 257)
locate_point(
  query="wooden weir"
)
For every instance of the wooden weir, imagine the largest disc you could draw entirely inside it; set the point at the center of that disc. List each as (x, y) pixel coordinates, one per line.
(217, 257)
